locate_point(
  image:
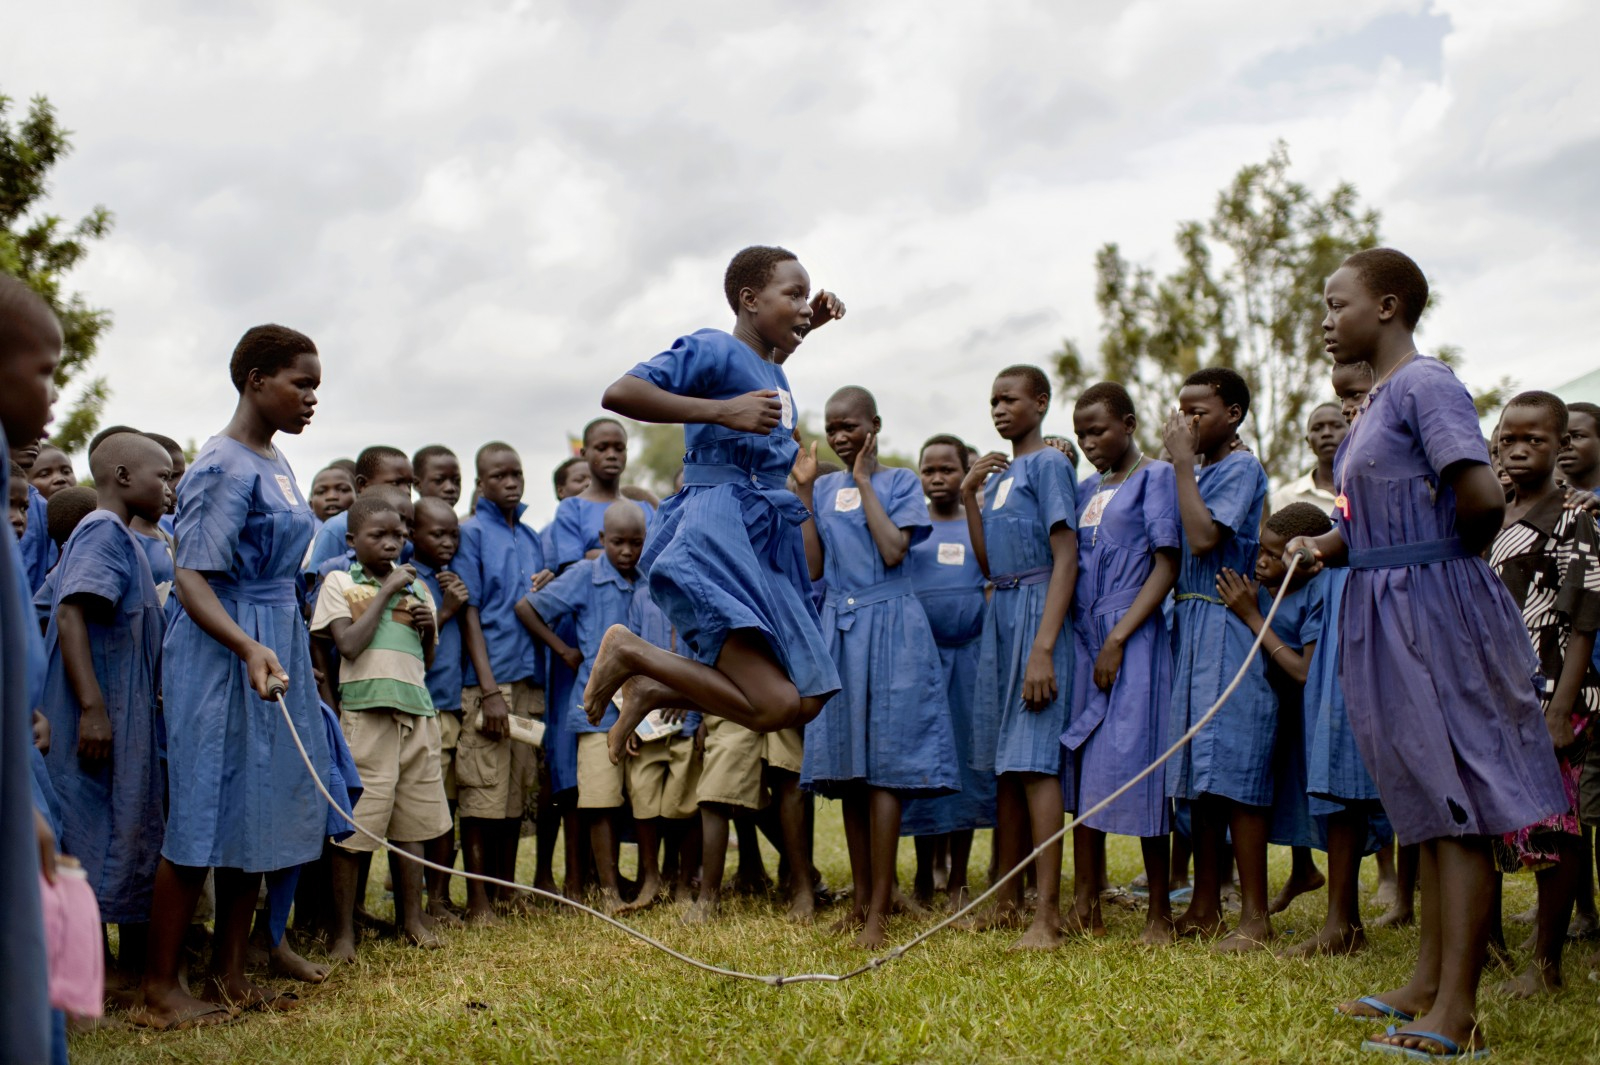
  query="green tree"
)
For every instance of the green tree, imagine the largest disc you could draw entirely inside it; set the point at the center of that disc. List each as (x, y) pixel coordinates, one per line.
(40, 249)
(1246, 295)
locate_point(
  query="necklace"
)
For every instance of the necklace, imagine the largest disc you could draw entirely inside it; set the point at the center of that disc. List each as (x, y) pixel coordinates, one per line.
(1110, 490)
(1342, 501)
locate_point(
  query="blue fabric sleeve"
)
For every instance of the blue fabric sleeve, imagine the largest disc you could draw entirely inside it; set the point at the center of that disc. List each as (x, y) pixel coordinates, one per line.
(688, 368)
(1316, 610)
(1439, 410)
(213, 506)
(329, 542)
(567, 534)
(563, 596)
(905, 504)
(1056, 488)
(1230, 493)
(98, 564)
(1162, 523)
(468, 563)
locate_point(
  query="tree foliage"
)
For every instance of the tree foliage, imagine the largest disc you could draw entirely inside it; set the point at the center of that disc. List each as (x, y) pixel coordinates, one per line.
(1246, 295)
(41, 249)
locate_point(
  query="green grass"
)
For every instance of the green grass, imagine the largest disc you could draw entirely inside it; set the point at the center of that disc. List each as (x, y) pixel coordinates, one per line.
(562, 987)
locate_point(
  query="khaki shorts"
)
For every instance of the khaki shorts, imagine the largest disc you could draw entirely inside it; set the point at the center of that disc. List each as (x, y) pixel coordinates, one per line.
(402, 797)
(735, 757)
(663, 779)
(497, 779)
(599, 782)
(449, 736)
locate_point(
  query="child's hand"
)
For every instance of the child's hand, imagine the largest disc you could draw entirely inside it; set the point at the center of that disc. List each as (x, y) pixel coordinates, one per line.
(573, 658)
(754, 412)
(1107, 664)
(1178, 436)
(825, 307)
(94, 735)
(453, 590)
(805, 465)
(1558, 720)
(1580, 499)
(493, 716)
(673, 715)
(866, 460)
(262, 666)
(1304, 543)
(1239, 594)
(422, 621)
(399, 579)
(993, 462)
(540, 579)
(1039, 679)
(41, 732)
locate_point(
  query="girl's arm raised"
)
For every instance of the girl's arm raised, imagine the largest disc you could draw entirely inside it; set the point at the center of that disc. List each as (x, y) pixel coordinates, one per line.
(1039, 680)
(754, 412)
(892, 542)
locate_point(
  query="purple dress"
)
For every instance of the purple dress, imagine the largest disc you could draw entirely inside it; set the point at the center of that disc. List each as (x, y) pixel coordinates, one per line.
(1436, 666)
(1116, 734)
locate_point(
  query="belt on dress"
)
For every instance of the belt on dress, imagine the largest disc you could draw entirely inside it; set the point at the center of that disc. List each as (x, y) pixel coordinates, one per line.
(1007, 581)
(1181, 596)
(1417, 554)
(703, 474)
(270, 591)
(845, 604)
(1114, 602)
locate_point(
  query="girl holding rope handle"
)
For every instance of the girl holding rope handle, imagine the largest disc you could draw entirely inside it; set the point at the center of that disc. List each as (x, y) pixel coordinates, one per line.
(1436, 666)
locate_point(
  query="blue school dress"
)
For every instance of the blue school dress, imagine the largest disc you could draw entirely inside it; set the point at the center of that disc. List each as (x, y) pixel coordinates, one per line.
(1336, 778)
(1115, 734)
(1436, 664)
(949, 584)
(159, 553)
(1292, 824)
(1232, 756)
(239, 795)
(889, 726)
(594, 596)
(647, 621)
(1033, 495)
(39, 552)
(727, 553)
(111, 813)
(25, 1016)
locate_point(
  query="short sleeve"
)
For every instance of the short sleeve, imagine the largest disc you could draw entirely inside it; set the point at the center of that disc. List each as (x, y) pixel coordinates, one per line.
(1439, 410)
(213, 506)
(1316, 610)
(98, 562)
(1579, 595)
(567, 534)
(905, 504)
(329, 541)
(1234, 493)
(332, 601)
(1161, 521)
(691, 367)
(468, 563)
(563, 596)
(1055, 486)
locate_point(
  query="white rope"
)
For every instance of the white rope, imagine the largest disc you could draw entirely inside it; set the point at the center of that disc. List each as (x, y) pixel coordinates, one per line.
(894, 953)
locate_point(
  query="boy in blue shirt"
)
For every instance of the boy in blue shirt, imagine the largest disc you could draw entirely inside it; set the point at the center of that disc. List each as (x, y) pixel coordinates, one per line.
(438, 474)
(376, 465)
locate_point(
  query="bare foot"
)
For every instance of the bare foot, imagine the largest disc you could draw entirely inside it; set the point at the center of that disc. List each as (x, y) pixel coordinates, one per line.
(1004, 916)
(1042, 934)
(1202, 926)
(649, 891)
(1400, 915)
(899, 902)
(1294, 889)
(959, 899)
(631, 709)
(485, 918)
(1091, 923)
(442, 916)
(609, 903)
(343, 950)
(245, 994)
(1531, 982)
(420, 935)
(1583, 926)
(1249, 936)
(285, 962)
(854, 918)
(1329, 941)
(682, 895)
(1399, 999)
(703, 911)
(178, 1012)
(871, 936)
(1158, 933)
(613, 664)
(1387, 895)
(802, 907)
(1528, 916)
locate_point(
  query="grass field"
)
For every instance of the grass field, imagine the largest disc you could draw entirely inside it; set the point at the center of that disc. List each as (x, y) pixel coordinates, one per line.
(560, 986)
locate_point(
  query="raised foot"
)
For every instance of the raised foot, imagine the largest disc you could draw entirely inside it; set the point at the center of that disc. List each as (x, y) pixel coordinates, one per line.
(1294, 889)
(285, 962)
(1329, 941)
(1532, 982)
(612, 665)
(631, 709)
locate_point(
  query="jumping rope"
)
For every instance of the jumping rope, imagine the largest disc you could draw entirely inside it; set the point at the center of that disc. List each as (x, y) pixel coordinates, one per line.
(276, 690)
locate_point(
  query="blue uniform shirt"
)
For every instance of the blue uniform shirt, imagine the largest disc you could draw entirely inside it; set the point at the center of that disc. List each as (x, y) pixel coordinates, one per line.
(444, 678)
(497, 561)
(39, 552)
(577, 527)
(596, 597)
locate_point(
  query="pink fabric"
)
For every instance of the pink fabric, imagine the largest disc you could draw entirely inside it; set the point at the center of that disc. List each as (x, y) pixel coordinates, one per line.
(73, 944)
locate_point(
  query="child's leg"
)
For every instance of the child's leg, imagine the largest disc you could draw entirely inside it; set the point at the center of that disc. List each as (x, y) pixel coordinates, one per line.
(1010, 833)
(750, 877)
(1207, 841)
(685, 838)
(1045, 812)
(1558, 889)
(1417, 995)
(477, 845)
(547, 827)
(927, 850)
(576, 881)
(960, 857)
(602, 836)
(884, 830)
(508, 837)
(1388, 886)
(1402, 910)
(1587, 920)
(1088, 854)
(1158, 928)
(1341, 932)
(1304, 876)
(858, 841)
(441, 850)
(714, 845)
(646, 829)
(1250, 826)
(1181, 850)
(166, 1003)
(237, 892)
(790, 802)
(407, 877)
(346, 885)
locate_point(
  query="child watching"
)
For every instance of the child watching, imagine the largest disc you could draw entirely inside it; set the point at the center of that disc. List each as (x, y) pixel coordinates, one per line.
(333, 489)
(1226, 773)
(38, 553)
(1325, 429)
(1351, 383)
(438, 474)
(576, 530)
(67, 508)
(381, 618)
(376, 465)
(52, 471)
(17, 500)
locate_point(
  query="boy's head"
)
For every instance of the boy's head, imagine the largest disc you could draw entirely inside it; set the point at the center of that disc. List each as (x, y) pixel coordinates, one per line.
(1351, 383)
(103, 435)
(400, 499)
(1529, 437)
(500, 479)
(1019, 400)
(1325, 430)
(333, 489)
(435, 533)
(180, 463)
(1580, 453)
(1296, 519)
(622, 534)
(1214, 402)
(1373, 290)
(278, 371)
(17, 499)
(52, 471)
(67, 508)
(850, 415)
(1104, 421)
(770, 292)
(376, 532)
(605, 449)
(438, 473)
(135, 471)
(942, 465)
(30, 348)
(381, 464)
(571, 478)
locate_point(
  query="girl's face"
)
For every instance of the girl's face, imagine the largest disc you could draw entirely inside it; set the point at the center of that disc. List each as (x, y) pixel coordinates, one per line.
(1269, 560)
(332, 492)
(847, 424)
(942, 470)
(288, 398)
(1104, 438)
(1580, 451)
(1354, 314)
(606, 452)
(1351, 383)
(781, 311)
(1014, 409)
(52, 471)
(1529, 443)
(1213, 422)
(578, 478)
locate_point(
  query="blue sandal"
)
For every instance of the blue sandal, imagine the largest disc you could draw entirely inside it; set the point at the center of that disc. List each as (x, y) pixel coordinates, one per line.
(1449, 1048)
(1383, 1010)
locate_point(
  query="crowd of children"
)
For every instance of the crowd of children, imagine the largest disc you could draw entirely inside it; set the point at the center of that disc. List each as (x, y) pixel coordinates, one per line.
(982, 642)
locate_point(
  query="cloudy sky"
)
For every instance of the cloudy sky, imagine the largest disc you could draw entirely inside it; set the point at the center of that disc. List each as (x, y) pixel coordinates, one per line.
(484, 213)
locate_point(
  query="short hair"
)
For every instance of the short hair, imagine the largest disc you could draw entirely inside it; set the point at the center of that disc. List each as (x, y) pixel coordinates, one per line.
(372, 459)
(174, 448)
(1110, 395)
(559, 478)
(109, 431)
(1036, 379)
(67, 508)
(1226, 383)
(433, 506)
(367, 506)
(1362, 367)
(493, 447)
(1326, 404)
(122, 449)
(266, 349)
(424, 454)
(347, 465)
(856, 396)
(752, 268)
(625, 510)
(1300, 519)
(335, 468)
(963, 455)
(1546, 401)
(596, 423)
(1386, 272)
(1584, 407)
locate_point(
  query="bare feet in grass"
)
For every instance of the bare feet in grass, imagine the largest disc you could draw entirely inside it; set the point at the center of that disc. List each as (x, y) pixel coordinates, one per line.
(1004, 916)
(1295, 888)
(1158, 933)
(959, 899)
(873, 932)
(1388, 893)
(1043, 934)
(703, 911)
(178, 1012)
(343, 951)
(1402, 914)
(1248, 937)
(1339, 940)
(853, 919)
(1089, 921)
(802, 907)
(420, 935)
(649, 891)
(285, 962)
(1201, 926)
(1532, 982)
(442, 916)
(245, 994)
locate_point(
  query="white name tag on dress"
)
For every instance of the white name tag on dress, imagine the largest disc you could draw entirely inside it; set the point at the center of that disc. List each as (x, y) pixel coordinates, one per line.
(786, 418)
(1096, 508)
(847, 499)
(287, 487)
(1002, 493)
(952, 554)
